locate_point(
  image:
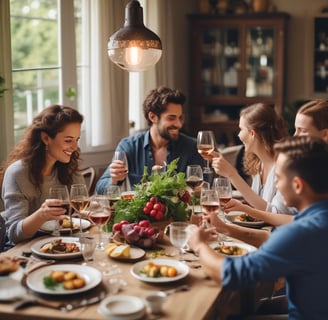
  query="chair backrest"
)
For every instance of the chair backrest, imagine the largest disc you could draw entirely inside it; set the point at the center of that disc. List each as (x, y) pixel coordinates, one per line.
(2, 233)
(89, 175)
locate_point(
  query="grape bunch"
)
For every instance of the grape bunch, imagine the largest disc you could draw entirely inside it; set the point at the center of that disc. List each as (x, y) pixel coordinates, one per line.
(154, 209)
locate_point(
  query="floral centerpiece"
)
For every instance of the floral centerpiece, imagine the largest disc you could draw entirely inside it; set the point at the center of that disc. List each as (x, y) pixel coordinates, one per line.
(159, 197)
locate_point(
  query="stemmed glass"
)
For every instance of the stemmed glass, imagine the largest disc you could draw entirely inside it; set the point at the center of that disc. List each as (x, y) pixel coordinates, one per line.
(210, 202)
(100, 214)
(113, 193)
(121, 156)
(205, 146)
(224, 189)
(80, 200)
(60, 192)
(179, 236)
(194, 178)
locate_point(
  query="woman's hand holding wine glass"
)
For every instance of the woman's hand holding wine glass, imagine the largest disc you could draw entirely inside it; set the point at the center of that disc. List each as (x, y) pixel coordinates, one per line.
(80, 200)
(206, 145)
(59, 195)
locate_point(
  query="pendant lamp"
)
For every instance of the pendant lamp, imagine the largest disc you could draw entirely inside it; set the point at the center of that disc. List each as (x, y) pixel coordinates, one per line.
(134, 47)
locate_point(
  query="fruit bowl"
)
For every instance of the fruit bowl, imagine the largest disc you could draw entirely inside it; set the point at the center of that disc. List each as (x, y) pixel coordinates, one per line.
(141, 234)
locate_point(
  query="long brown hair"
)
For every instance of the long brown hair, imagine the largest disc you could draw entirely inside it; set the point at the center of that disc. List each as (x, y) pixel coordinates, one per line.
(269, 128)
(32, 151)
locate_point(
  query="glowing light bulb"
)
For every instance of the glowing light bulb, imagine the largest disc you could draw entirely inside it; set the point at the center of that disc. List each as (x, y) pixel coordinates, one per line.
(133, 55)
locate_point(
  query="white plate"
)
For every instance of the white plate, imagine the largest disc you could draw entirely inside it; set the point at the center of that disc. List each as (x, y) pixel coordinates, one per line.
(10, 286)
(182, 268)
(49, 226)
(233, 217)
(246, 247)
(122, 307)
(91, 276)
(135, 254)
(36, 248)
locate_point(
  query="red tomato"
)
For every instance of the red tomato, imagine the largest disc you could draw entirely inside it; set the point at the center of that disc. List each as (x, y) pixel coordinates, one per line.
(136, 228)
(159, 215)
(157, 206)
(144, 223)
(124, 222)
(149, 205)
(146, 210)
(153, 200)
(153, 213)
(117, 227)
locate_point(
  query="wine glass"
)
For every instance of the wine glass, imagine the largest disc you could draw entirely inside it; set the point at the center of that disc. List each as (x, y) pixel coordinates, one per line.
(80, 200)
(194, 178)
(88, 246)
(224, 189)
(100, 214)
(113, 193)
(60, 192)
(179, 236)
(121, 156)
(205, 146)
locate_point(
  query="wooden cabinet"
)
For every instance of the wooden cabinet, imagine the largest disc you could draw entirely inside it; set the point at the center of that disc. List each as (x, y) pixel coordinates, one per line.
(235, 60)
(321, 54)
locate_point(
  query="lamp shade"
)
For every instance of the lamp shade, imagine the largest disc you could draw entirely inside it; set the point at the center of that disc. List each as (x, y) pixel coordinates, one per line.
(134, 47)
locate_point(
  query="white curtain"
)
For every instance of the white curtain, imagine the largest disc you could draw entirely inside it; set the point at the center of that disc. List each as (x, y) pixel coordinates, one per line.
(107, 112)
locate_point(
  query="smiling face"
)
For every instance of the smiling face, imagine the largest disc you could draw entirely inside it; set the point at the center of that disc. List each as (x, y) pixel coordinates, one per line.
(61, 147)
(245, 135)
(170, 122)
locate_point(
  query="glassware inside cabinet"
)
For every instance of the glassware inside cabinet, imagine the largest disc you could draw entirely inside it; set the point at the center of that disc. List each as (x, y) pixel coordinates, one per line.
(220, 61)
(260, 61)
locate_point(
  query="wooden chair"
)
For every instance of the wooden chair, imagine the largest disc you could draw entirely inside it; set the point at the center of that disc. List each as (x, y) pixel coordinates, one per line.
(89, 175)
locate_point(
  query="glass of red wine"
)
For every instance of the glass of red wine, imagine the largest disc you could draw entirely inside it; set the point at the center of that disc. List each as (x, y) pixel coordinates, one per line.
(60, 192)
(194, 179)
(100, 214)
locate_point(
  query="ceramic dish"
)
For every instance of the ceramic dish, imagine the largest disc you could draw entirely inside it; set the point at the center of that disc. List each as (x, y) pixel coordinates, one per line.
(182, 268)
(49, 226)
(10, 286)
(122, 307)
(58, 256)
(135, 254)
(233, 217)
(92, 278)
(243, 247)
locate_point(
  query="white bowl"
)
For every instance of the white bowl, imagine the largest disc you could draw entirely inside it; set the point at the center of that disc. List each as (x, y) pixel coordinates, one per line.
(122, 307)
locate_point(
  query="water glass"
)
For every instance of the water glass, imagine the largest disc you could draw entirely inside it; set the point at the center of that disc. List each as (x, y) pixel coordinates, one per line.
(88, 247)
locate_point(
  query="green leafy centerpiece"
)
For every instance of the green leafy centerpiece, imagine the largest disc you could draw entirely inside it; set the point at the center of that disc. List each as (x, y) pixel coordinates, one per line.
(159, 197)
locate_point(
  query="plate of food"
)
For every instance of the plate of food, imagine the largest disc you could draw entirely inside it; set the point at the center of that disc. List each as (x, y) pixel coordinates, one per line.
(58, 248)
(65, 227)
(11, 274)
(229, 248)
(124, 252)
(63, 279)
(243, 219)
(159, 270)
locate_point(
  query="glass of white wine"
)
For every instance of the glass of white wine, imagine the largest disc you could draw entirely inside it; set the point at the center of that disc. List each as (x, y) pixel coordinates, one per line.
(205, 146)
(80, 200)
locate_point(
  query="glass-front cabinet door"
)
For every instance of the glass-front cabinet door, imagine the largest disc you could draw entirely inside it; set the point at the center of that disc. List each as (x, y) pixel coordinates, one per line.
(235, 60)
(260, 61)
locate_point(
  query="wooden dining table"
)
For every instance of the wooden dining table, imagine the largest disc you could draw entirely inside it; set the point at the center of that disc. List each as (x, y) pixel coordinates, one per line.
(203, 300)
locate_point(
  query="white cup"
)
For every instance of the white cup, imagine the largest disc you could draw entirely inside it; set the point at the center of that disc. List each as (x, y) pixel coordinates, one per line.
(155, 301)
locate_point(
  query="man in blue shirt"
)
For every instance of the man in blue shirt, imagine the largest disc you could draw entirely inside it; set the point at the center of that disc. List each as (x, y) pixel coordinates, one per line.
(296, 251)
(161, 144)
